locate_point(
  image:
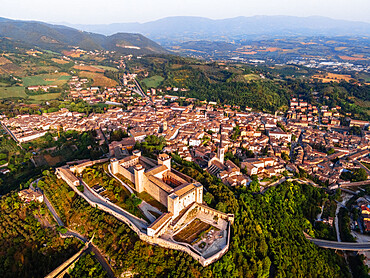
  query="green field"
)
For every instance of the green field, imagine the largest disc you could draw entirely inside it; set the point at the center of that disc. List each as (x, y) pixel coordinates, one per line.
(363, 104)
(107, 68)
(45, 79)
(250, 77)
(153, 82)
(45, 97)
(364, 76)
(6, 92)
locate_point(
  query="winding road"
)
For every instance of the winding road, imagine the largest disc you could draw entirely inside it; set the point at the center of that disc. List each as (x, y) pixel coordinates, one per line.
(53, 212)
(70, 233)
(346, 246)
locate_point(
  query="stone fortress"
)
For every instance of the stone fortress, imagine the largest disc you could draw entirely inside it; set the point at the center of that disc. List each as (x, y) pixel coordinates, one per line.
(180, 194)
(188, 225)
(172, 189)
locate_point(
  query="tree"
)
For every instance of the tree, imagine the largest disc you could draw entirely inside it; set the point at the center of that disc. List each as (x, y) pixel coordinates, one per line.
(254, 186)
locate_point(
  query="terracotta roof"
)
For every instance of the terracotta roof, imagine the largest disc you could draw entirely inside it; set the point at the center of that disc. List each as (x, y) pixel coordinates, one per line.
(128, 158)
(68, 175)
(181, 190)
(160, 221)
(156, 170)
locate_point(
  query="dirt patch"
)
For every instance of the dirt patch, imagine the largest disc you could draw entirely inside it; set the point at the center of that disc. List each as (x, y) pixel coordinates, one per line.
(350, 58)
(4, 61)
(192, 232)
(52, 160)
(59, 61)
(99, 79)
(88, 68)
(329, 77)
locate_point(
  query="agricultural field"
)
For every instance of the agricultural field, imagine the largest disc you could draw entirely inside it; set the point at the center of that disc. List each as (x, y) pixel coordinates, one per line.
(151, 201)
(46, 79)
(8, 67)
(44, 97)
(7, 92)
(364, 76)
(329, 77)
(99, 79)
(364, 104)
(192, 231)
(89, 68)
(52, 160)
(251, 77)
(107, 68)
(354, 58)
(47, 159)
(153, 82)
(59, 61)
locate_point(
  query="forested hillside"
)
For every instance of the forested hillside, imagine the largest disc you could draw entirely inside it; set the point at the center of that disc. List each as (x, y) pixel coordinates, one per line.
(263, 88)
(29, 246)
(264, 226)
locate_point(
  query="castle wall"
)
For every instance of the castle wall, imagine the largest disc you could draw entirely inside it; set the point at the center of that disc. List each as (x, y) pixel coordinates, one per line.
(139, 179)
(199, 198)
(155, 240)
(186, 200)
(156, 192)
(78, 169)
(166, 163)
(127, 174)
(173, 205)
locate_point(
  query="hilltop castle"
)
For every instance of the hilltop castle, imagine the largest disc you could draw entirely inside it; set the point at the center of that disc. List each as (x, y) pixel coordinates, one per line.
(171, 188)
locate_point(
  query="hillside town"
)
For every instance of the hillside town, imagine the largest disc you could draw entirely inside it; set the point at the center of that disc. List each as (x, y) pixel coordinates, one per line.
(231, 144)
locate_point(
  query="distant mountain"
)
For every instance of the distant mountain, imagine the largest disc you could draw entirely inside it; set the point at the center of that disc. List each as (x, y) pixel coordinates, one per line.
(180, 29)
(59, 37)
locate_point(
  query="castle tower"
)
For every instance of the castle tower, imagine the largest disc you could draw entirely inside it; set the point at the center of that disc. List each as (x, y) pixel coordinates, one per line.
(199, 193)
(221, 152)
(173, 204)
(165, 159)
(139, 177)
(165, 126)
(114, 165)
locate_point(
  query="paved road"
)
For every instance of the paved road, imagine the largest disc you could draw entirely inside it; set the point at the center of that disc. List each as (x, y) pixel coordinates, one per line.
(348, 191)
(274, 184)
(336, 222)
(147, 208)
(347, 246)
(101, 259)
(283, 179)
(125, 185)
(98, 255)
(320, 214)
(76, 235)
(53, 212)
(363, 167)
(140, 90)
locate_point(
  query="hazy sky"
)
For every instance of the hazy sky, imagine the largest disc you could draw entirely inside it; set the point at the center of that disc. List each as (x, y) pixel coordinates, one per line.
(109, 11)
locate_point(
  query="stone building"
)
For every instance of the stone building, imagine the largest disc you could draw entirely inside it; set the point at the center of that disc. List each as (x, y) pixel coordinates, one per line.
(171, 188)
